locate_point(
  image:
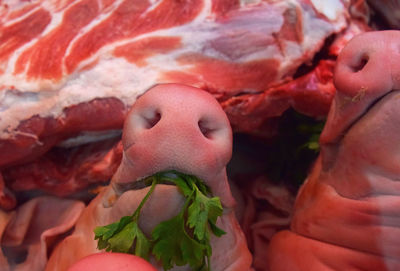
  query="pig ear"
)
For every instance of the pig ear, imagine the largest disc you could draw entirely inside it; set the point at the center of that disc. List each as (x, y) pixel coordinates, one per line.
(35, 226)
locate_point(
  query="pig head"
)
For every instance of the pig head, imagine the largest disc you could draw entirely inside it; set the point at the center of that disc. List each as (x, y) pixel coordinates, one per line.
(347, 213)
(170, 127)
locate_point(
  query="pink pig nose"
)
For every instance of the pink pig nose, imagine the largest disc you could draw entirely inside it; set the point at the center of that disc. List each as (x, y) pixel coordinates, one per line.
(367, 69)
(176, 127)
(368, 64)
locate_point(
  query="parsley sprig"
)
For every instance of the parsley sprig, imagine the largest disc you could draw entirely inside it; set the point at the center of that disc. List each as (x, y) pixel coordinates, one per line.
(181, 240)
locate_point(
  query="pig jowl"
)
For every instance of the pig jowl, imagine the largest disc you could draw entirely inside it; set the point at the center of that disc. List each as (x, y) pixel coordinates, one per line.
(347, 215)
(170, 127)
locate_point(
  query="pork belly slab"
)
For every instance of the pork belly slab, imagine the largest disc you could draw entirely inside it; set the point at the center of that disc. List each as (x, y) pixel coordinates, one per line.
(346, 215)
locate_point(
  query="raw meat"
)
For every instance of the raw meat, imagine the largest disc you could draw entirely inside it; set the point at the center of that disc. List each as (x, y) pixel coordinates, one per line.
(347, 213)
(170, 127)
(107, 53)
(246, 53)
(310, 94)
(64, 171)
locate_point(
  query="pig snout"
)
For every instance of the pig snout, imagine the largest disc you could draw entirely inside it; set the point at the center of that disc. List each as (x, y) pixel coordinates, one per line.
(176, 127)
(367, 69)
(170, 127)
(346, 214)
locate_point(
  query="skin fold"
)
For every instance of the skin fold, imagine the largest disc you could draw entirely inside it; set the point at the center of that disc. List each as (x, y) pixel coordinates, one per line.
(170, 127)
(347, 213)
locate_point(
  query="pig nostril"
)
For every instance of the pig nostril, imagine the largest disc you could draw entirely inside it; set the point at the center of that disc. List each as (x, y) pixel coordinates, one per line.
(151, 118)
(206, 131)
(360, 63)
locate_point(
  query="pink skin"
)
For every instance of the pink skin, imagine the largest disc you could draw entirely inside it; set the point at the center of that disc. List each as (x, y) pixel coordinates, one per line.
(358, 85)
(111, 262)
(169, 127)
(193, 136)
(347, 214)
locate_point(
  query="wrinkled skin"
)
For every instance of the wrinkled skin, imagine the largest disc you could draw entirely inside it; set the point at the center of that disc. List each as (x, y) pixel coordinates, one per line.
(347, 214)
(29, 233)
(169, 127)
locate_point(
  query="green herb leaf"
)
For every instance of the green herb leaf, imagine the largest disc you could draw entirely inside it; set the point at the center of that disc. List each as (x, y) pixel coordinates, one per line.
(101, 244)
(123, 240)
(185, 187)
(173, 246)
(107, 231)
(121, 236)
(201, 211)
(102, 234)
(182, 240)
(217, 231)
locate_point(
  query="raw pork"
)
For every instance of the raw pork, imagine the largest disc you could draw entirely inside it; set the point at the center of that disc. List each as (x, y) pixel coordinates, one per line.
(171, 127)
(346, 215)
(245, 53)
(69, 67)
